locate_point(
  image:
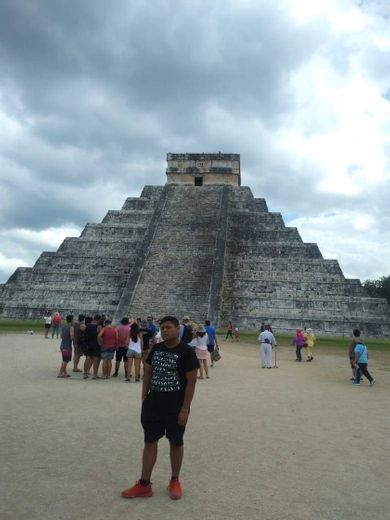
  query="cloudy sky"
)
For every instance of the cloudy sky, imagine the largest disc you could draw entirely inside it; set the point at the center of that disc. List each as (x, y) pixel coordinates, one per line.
(93, 94)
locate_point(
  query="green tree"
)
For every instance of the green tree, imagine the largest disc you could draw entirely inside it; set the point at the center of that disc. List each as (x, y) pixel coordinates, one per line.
(378, 288)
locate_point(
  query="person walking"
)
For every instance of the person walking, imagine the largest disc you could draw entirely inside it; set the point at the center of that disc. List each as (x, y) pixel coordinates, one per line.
(186, 332)
(361, 362)
(167, 392)
(134, 353)
(310, 341)
(123, 331)
(229, 331)
(299, 341)
(212, 343)
(267, 342)
(351, 351)
(67, 334)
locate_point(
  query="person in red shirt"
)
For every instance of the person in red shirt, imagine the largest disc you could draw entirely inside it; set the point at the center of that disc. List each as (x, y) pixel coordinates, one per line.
(108, 340)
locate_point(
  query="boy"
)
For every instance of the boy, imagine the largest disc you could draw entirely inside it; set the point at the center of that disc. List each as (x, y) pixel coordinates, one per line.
(167, 391)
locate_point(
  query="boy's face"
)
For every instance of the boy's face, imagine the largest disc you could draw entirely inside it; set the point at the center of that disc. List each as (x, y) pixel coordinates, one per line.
(169, 331)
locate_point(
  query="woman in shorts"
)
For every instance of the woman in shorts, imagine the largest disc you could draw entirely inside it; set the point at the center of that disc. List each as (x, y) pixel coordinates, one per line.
(134, 352)
(108, 340)
(201, 351)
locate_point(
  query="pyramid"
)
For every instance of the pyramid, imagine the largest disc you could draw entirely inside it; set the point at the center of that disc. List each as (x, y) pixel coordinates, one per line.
(202, 245)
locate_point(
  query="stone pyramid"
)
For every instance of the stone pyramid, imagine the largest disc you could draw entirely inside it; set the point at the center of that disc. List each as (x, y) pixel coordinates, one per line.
(200, 245)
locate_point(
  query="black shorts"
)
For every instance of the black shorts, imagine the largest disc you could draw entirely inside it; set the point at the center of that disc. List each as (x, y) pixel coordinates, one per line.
(158, 421)
(210, 348)
(93, 351)
(121, 353)
(47, 325)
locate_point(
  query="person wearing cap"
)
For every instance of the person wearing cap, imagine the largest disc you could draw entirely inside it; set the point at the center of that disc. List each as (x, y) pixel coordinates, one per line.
(310, 340)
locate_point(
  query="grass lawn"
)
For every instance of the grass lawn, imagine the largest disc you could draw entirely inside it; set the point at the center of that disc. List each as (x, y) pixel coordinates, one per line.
(337, 342)
(21, 326)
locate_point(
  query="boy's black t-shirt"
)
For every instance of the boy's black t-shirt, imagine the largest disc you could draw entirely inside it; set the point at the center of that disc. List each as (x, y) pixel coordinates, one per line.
(169, 368)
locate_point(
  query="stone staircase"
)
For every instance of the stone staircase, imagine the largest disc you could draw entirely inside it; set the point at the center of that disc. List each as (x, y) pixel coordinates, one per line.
(208, 251)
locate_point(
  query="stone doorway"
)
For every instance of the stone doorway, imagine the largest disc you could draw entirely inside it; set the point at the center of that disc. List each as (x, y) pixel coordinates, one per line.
(198, 180)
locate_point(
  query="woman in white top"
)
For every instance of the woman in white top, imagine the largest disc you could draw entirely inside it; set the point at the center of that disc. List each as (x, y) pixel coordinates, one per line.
(201, 351)
(134, 352)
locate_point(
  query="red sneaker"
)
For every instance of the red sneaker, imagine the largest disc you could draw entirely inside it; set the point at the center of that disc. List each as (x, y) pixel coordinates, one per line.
(174, 489)
(138, 491)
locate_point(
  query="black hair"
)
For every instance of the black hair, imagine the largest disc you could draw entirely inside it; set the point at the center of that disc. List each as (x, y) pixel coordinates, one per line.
(81, 317)
(356, 333)
(134, 329)
(97, 317)
(172, 319)
(88, 319)
(125, 321)
(207, 322)
(107, 321)
(69, 318)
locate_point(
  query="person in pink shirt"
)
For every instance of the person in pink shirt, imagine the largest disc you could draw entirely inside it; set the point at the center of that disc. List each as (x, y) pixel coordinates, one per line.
(108, 340)
(123, 331)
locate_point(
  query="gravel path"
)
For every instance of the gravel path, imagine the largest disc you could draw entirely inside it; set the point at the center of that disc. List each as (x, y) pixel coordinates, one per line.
(297, 442)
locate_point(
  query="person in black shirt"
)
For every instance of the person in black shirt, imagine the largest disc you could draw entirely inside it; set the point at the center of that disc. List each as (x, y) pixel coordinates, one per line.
(167, 391)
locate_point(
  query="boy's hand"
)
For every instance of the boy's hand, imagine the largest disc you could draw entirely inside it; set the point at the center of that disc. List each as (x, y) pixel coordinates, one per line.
(182, 417)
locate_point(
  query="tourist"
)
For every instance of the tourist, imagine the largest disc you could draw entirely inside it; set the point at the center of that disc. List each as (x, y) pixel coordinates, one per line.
(186, 332)
(212, 342)
(236, 334)
(56, 322)
(148, 340)
(78, 342)
(167, 391)
(310, 341)
(229, 331)
(67, 334)
(47, 324)
(361, 361)
(93, 350)
(267, 342)
(299, 341)
(351, 351)
(134, 352)
(201, 340)
(108, 340)
(123, 331)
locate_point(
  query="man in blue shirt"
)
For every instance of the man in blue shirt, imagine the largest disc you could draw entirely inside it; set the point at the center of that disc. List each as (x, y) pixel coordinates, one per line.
(361, 361)
(212, 343)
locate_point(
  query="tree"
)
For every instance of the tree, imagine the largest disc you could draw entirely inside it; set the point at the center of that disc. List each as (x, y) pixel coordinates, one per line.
(378, 288)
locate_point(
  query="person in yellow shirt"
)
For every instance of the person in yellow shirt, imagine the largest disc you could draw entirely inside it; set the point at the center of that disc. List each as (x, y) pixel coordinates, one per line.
(310, 340)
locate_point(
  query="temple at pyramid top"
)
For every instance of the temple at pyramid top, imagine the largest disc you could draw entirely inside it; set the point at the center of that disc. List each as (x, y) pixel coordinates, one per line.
(201, 169)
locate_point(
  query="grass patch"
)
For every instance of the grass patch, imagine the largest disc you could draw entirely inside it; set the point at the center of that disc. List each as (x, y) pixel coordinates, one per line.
(21, 326)
(336, 342)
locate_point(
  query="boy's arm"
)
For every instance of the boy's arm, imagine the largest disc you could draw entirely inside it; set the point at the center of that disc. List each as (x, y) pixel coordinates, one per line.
(188, 396)
(71, 333)
(146, 380)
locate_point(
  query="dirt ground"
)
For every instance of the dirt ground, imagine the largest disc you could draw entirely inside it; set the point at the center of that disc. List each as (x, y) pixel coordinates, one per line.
(297, 442)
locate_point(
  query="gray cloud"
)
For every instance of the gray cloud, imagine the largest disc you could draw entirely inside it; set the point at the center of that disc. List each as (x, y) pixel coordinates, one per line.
(94, 95)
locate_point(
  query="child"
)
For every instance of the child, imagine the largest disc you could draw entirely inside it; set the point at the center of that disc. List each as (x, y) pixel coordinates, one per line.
(67, 335)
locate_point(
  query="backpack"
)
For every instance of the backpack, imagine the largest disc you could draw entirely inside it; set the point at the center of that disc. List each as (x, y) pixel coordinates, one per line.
(187, 334)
